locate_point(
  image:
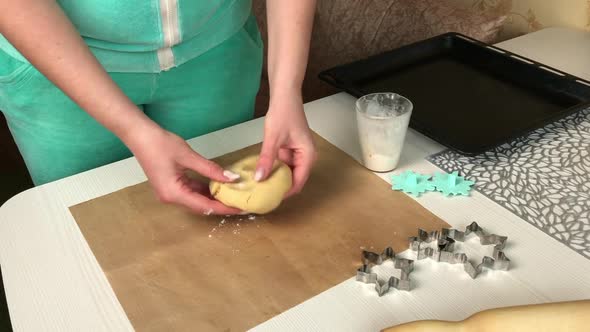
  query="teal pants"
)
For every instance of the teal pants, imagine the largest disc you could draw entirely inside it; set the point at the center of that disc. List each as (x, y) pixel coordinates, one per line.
(57, 139)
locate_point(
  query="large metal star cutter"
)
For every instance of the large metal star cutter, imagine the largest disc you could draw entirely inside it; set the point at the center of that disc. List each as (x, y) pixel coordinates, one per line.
(444, 251)
(370, 259)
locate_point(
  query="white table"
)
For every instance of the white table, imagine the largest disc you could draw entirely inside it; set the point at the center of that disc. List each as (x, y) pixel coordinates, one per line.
(54, 283)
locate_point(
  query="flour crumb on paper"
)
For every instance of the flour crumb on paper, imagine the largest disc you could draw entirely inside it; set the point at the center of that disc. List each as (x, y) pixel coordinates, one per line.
(235, 224)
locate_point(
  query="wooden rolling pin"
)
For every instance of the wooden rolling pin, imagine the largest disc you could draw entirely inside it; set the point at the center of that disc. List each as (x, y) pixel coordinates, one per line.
(550, 317)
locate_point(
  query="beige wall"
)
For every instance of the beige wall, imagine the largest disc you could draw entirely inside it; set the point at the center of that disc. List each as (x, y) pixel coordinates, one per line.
(530, 15)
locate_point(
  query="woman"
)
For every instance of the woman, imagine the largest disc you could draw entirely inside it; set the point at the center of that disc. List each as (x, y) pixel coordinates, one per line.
(88, 82)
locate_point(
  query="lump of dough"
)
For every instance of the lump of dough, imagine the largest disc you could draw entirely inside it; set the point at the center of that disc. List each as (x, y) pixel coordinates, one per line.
(251, 196)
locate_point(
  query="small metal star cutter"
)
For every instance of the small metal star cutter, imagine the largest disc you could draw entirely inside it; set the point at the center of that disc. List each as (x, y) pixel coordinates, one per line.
(370, 259)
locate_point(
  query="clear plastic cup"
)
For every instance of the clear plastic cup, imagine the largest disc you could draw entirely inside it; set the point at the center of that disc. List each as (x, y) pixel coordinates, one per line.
(382, 120)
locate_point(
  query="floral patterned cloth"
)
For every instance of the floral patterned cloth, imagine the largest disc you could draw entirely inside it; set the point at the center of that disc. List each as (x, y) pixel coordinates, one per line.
(544, 178)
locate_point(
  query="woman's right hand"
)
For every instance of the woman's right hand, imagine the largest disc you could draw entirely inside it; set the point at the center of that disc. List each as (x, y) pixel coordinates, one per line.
(165, 159)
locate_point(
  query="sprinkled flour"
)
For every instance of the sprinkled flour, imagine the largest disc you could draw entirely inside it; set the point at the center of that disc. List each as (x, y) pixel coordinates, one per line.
(235, 223)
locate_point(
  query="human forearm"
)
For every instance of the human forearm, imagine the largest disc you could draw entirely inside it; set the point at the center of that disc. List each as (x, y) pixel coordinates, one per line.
(286, 133)
(41, 31)
(289, 32)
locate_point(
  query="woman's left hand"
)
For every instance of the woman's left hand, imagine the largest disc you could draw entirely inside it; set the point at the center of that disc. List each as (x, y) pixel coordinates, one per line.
(287, 137)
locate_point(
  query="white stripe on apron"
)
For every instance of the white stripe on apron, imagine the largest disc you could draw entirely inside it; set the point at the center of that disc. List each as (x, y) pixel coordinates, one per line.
(171, 32)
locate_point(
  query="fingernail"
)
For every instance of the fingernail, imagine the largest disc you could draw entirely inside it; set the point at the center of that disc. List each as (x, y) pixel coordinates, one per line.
(231, 175)
(258, 175)
(208, 212)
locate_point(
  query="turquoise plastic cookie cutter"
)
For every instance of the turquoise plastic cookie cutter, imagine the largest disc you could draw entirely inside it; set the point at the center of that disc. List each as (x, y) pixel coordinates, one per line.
(412, 183)
(452, 184)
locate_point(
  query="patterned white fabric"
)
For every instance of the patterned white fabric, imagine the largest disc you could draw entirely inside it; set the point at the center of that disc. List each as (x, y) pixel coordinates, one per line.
(544, 178)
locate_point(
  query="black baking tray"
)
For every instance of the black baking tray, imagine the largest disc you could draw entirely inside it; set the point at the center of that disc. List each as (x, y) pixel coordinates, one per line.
(467, 95)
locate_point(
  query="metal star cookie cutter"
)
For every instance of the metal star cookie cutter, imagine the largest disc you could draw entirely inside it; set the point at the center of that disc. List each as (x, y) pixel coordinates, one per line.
(444, 252)
(366, 275)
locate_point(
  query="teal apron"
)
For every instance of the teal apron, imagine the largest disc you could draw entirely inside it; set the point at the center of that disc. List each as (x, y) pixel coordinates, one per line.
(191, 66)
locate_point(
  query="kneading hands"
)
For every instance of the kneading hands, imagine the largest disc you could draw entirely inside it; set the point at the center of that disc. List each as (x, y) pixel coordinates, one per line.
(42, 33)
